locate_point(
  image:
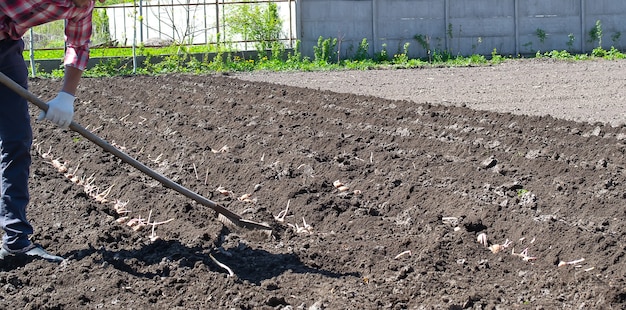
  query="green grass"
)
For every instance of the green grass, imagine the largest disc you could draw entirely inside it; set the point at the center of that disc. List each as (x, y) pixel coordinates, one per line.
(185, 59)
(121, 52)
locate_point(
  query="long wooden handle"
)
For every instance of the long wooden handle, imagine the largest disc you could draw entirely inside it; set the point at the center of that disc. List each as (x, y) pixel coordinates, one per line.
(233, 217)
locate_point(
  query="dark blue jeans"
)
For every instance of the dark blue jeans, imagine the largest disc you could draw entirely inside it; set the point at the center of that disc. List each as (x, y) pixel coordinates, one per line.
(15, 142)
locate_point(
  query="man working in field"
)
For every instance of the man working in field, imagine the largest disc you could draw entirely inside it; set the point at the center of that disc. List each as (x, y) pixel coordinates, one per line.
(16, 17)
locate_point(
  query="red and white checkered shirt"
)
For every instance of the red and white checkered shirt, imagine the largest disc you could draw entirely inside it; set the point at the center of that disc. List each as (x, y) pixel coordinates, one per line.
(17, 16)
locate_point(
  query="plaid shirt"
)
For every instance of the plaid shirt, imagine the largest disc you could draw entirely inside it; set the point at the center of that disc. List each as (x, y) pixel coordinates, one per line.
(17, 16)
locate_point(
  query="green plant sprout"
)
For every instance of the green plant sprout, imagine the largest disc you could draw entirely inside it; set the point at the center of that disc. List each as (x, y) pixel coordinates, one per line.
(402, 58)
(570, 41)
(495, 57)
(382, 56)
(595, 34)
(424, 41)
(521, 192)
(541, 34)
(362, 52)
(324, 50)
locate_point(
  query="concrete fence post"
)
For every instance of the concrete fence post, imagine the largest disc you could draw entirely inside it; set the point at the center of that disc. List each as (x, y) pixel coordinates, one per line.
(516, 26)
(582, 26)
(446, 21)
(374, 26)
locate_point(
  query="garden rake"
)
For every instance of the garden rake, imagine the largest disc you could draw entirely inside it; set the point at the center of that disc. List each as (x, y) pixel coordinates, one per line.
(224, 215)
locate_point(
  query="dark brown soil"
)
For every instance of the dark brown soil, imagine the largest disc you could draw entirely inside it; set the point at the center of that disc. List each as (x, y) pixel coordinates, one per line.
(424, 178)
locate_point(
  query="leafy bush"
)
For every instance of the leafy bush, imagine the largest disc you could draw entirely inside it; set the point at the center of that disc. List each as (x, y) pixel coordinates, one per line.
(256, 22)
(325, 51)
(362, 52)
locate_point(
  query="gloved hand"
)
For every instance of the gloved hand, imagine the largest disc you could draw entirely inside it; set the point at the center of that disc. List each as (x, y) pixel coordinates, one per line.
(60, 110)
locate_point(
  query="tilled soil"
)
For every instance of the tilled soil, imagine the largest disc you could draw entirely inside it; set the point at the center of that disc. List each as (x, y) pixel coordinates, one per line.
(381, 197)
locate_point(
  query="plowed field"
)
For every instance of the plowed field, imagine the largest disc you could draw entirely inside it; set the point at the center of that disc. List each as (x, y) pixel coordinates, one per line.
(384, 182)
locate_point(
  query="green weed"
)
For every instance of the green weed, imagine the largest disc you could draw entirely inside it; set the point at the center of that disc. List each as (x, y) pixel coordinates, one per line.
(382, 56)
(570, 41)
(541, 34)
(424, 41)
(521, 192)
(324, 51)
(595, 34)
(402, 58)
(223, 59)
(496, 58)
(362, 52)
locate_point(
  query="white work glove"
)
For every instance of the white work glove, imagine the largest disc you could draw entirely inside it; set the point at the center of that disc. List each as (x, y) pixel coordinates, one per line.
(60, 110)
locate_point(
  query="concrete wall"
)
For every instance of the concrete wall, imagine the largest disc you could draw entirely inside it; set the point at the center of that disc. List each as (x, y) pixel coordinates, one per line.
(462, 27)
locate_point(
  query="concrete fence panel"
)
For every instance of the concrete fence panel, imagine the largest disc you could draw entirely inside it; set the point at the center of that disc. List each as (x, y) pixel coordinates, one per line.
(477, 27)
(463, 27)
(612, 16)
(549, 25)
(347, 21)
(399, 22)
